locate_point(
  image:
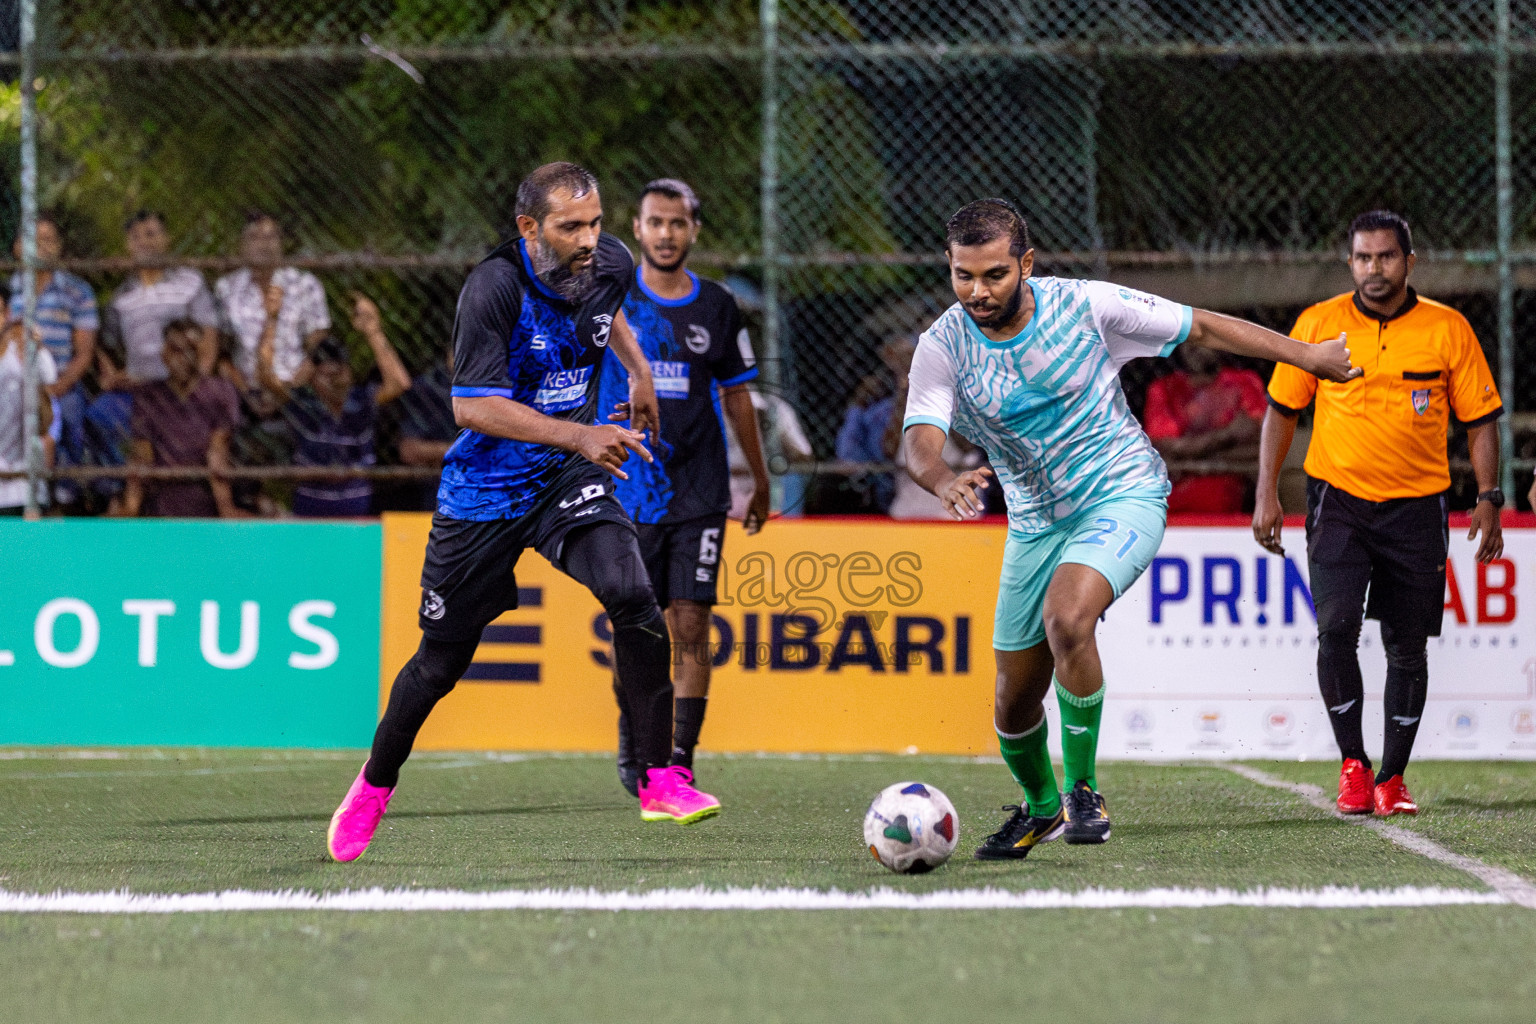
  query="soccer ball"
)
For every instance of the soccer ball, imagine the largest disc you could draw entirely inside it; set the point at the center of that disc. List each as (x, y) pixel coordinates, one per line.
(911, 828)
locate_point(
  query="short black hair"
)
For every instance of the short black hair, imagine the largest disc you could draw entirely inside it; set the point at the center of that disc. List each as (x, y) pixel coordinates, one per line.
(329, 350)
(979, 222)
(180, 324)
(1382, 220)
(142, 215)
(533, 192)
(672, 188)
(255, 215)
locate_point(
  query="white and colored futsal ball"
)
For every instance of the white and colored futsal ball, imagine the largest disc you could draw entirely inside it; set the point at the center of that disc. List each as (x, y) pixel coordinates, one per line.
(911, 828)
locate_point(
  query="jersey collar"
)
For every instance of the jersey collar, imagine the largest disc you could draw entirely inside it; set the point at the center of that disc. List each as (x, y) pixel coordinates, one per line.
(1370, 314)
(640, 283)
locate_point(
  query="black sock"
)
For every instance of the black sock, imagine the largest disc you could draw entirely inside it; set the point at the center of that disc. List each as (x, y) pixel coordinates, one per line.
(1407, 689)
(1338, 677)
(687, 720)
(427, 678)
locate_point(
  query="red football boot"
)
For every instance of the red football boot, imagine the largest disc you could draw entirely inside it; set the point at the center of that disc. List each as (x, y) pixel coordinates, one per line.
(1355, 787)
(1392, 797)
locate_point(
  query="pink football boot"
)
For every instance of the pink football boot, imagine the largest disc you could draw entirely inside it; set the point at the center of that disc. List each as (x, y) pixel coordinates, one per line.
(667, 794)
(353, 824)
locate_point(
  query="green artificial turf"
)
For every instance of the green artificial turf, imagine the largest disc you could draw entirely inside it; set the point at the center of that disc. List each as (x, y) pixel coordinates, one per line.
(191, 821)
(1485, 809)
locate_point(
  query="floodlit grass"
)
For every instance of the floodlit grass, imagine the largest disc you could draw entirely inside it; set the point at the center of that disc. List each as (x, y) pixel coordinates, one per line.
(191, 821)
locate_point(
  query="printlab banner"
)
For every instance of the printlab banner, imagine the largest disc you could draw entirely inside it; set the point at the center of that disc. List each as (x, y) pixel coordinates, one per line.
(1213, 653)
(876, 636)
(196, 632)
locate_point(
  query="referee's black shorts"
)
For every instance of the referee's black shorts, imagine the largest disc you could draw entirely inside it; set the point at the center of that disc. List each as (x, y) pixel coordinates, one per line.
(468, 578)
(1385, 556)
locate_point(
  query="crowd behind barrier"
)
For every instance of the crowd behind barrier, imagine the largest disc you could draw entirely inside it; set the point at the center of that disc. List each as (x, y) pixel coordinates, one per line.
(170, 398)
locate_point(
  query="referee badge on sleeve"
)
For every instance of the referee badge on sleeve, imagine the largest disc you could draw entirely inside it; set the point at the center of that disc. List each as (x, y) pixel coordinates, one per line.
(1420, 400)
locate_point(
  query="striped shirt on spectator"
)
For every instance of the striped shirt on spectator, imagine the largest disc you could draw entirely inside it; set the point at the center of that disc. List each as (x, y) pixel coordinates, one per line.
(67, 305)
(324, 439)
(134, 330)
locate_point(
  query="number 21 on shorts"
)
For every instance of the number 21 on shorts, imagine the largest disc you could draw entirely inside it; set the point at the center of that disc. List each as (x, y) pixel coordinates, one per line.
(1108, 531)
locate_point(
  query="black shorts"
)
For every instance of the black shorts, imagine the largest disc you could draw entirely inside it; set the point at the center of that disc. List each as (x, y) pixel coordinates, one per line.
(1387, 555)
(683, 559)
(468, 578)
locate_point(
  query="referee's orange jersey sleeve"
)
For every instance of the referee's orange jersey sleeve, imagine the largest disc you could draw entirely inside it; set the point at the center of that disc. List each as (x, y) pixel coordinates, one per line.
(1382, 435)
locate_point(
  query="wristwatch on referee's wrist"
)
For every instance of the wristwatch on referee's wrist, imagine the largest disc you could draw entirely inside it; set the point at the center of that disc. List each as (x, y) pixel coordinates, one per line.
(1494, 497)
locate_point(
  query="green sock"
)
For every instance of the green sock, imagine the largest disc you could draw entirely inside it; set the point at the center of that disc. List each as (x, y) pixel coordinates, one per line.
(1029, 760)
(1080, 735)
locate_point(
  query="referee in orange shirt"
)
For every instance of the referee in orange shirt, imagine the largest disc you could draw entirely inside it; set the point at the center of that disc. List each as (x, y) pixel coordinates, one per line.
(1377, 477)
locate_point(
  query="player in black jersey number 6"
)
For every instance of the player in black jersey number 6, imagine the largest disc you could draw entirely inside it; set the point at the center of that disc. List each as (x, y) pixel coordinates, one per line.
(701, 361)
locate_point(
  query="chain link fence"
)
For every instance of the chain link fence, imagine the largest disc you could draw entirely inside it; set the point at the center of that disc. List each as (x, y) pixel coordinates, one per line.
(1213, 152)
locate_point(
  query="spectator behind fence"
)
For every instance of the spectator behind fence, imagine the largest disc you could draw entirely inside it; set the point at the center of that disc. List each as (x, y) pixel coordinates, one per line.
(13, 451)
(67, 325)
(868, 419)
(133, 336)
(265, 298)
(1205, 410)
(784, 443)
(427, 427)
(182, 421)
(332, 419)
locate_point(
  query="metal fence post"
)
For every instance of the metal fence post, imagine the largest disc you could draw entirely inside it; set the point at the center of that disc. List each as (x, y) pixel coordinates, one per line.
(33, 443)
(769, 162)
(1503, 176)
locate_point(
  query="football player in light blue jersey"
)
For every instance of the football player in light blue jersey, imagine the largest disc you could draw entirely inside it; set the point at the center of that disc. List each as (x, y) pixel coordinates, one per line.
(1028, 368)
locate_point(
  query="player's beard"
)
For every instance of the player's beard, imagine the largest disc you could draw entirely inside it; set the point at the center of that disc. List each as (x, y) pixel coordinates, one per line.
(1005, 313)
(666, 268)
(571, 285)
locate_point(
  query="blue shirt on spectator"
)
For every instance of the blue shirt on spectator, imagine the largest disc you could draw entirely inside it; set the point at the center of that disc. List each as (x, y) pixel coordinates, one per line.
(863, 430)
(68, 304)
(861, 439)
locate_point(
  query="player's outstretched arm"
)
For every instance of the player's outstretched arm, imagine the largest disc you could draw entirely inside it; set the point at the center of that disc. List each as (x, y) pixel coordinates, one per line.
(607, 445)
(1328, 360)
(960, 493)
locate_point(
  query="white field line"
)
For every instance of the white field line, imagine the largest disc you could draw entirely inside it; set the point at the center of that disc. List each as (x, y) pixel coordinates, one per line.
(366, 900)
(1507, 884)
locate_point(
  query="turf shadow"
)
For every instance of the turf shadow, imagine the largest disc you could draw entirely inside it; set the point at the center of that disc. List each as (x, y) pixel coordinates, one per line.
(272, 819)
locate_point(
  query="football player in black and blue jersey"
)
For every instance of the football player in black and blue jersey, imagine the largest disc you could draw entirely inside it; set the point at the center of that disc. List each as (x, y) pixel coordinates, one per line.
(700, 358)
(532, 468)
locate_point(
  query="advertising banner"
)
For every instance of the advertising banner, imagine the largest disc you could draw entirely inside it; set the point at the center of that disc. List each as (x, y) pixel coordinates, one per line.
(850, 636)
(1213, 653)
(188, 633)
(846, 636)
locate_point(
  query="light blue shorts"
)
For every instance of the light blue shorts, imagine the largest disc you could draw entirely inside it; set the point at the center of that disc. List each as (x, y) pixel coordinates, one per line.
(1117, 537)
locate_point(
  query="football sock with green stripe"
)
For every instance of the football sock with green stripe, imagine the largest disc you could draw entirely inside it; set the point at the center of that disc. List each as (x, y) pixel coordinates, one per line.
(1028, 758)
(1080, 718)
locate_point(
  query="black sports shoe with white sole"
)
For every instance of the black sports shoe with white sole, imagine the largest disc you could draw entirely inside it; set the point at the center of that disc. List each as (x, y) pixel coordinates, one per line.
(1021, 833)
(1087, 814)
